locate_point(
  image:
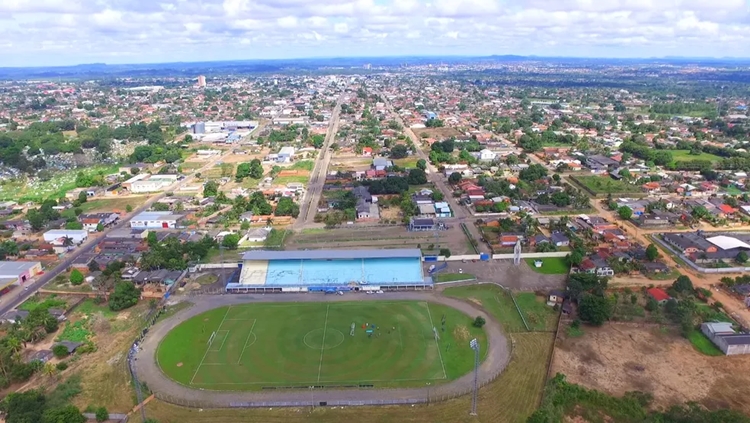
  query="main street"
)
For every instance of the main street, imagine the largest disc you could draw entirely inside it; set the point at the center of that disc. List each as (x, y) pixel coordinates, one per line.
(12, 299)
(318, 177)
(438, 180)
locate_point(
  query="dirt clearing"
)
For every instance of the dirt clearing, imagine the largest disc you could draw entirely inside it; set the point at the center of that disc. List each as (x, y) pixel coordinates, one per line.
(618, 358)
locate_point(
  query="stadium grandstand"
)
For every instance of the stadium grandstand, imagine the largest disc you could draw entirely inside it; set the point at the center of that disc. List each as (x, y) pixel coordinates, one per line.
(330, 271)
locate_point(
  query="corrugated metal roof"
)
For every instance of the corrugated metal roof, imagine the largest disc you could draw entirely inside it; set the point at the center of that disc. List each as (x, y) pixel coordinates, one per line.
(332, 254)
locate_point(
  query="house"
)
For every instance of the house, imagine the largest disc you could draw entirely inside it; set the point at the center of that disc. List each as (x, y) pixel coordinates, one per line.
(367, 151)
(18, 272)
(422, 224)
(659, 295)
(556, 296)
(559, 239)
(426, 210)
(442, 209)
(723, 335)
(539, 239)
(656, 219)
(381, 163)
(487, 155)
(652, 267)
(91, 221)
(421, 199)
(155, 220)
(285, 155)
(688, 243)
(598, 162)
(255, 235)
(508, 240)
(14, 316)
(57, 236)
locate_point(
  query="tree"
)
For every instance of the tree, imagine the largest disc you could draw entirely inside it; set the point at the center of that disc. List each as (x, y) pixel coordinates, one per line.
(445, 252)
(99, 227)
(625, 212)
(256, 169)
(533, 173)
(60, 351)
(126, 295)
(74, 225)
(67, 241)
(699, 212)
(128, 208)
(417, 177)
(651, 252)
(575, 258)
(454, 178)
(101, 414)
(76, 277)
(287, 207)
(422, 164)
(82, 197)
(65, 414)
(243, 171)
(230, 241)
(24, 407)
(479, 322)
(741, 257)
(210, 189)
(594, 309)
(683, 284)
(399, 151)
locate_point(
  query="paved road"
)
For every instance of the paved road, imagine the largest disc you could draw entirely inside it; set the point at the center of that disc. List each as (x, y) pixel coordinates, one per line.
(438, 180)
(14, 298)
(318, 178)
(148, 370)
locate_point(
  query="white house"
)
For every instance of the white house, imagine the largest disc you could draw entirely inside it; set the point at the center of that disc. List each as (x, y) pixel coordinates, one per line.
(57, 236)
(155, 220)
(487, 155)
(286, 154)
(255, 235)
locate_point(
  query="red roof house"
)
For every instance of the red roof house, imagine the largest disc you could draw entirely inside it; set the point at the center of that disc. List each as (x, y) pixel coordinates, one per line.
(658, 294)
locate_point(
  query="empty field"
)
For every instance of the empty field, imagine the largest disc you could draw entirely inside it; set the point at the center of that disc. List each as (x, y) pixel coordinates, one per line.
(685, 156)
(605, 184)
(248, 347)
(112, 204)
(550, 265)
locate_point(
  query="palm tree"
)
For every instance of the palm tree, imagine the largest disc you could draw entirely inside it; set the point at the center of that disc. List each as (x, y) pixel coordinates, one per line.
(14, 344)
(49, 370)
(67, 241)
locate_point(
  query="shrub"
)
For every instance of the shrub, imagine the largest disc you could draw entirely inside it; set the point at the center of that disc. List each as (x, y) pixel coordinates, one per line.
(62, 366)
(60, 351)
(76, 277)
(101, 414)
(479, 322)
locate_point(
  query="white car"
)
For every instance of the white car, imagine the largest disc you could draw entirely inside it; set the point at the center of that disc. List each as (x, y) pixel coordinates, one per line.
(460, 270)
(380, 292)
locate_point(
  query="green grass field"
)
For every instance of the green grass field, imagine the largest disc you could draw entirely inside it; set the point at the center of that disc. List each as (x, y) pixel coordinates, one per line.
(285, 344)
(452, 277)
(703, 344)
(685, 156)
(550, 266)
(283, 180)
(22, 190)
(605, 184)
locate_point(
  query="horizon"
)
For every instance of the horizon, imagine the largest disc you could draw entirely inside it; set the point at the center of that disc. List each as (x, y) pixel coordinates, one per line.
(59, 33)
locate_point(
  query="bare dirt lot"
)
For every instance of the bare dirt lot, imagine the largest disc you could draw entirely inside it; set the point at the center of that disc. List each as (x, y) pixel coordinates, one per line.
(618, 358)
(504, 272)
(437, 133)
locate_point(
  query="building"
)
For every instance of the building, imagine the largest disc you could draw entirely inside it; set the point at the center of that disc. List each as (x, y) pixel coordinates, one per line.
(598, 162)
(487, 155)
(91, 221)
(659, 295)
(155, 220)
(199, 128)
(417, 224)
(57, 236)
(18, 272)
(723, 335)
(330, 271)
(201, 81)
(255, 235)
(381, 163)
(285, 155)
(145, 182)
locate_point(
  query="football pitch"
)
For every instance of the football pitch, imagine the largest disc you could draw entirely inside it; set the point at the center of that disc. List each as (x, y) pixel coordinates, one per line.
(294, 345)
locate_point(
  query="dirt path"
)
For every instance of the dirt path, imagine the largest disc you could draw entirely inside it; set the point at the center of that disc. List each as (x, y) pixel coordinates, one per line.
(497, 358)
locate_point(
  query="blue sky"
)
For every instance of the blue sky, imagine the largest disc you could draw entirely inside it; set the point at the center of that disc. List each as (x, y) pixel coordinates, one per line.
(67, 32)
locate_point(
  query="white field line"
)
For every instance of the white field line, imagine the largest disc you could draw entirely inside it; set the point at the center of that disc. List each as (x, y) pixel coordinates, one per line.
(308, 383)
(445, 375)
(225, 340)
(207, 348)
(248, 338)
(323, 343)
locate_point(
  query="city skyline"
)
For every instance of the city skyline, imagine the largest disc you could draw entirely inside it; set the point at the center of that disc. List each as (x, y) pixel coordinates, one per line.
(54, 33)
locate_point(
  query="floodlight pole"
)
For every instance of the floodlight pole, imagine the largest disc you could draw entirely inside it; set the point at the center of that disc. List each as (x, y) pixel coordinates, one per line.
(475, 346)
(312, 397)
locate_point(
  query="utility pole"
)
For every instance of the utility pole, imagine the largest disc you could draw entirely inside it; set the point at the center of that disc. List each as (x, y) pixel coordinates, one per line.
(475, 346)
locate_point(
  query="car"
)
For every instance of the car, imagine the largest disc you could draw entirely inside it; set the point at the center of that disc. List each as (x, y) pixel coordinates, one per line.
(341, 293)
(368, 292)
(463, 261)
(460, 270)
(380, 291)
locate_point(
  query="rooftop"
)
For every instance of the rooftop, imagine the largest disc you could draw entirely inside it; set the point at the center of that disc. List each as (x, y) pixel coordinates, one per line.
(11, 269)
(727, 242)
(332, 254)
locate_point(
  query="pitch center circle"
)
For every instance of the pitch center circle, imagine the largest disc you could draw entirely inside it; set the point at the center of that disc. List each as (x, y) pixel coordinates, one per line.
(325, 339)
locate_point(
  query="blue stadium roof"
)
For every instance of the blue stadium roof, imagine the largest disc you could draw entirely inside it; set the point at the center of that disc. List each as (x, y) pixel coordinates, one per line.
(332, 254)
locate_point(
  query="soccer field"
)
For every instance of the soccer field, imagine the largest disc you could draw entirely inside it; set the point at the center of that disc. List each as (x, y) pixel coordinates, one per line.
(252, 346)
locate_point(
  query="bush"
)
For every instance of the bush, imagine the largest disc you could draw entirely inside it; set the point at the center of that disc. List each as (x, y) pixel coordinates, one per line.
(62, 366)
(479, 322)
(60, 351)
(101, 414)
(126, 295)
(445, 252)
(76, 277)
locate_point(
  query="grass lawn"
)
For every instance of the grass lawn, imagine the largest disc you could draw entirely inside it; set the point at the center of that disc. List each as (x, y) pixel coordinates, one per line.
(35, 302)
(495, 300)
(685, 156)
(111, 204)
(89, 307)
(452, 277)
(550, 266)
(733, 190)
(537, 313)
(605, 185)
(703, 344)
(23, 190)
(303, 165)
(283, 180)
(247, 347)
(407, 162)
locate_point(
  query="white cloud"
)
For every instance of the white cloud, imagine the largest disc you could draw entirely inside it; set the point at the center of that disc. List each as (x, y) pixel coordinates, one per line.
(165, 30)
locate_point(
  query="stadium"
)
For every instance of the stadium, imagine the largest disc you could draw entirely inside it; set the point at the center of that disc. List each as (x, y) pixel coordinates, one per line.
(330, 271)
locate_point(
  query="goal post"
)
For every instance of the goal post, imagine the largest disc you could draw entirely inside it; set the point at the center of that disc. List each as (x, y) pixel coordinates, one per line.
(437, 335)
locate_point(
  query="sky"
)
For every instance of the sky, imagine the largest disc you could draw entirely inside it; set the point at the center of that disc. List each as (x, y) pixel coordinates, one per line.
(69, 32)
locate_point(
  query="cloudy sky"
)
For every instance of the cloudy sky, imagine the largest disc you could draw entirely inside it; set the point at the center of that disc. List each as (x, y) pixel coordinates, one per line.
(66, 32)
